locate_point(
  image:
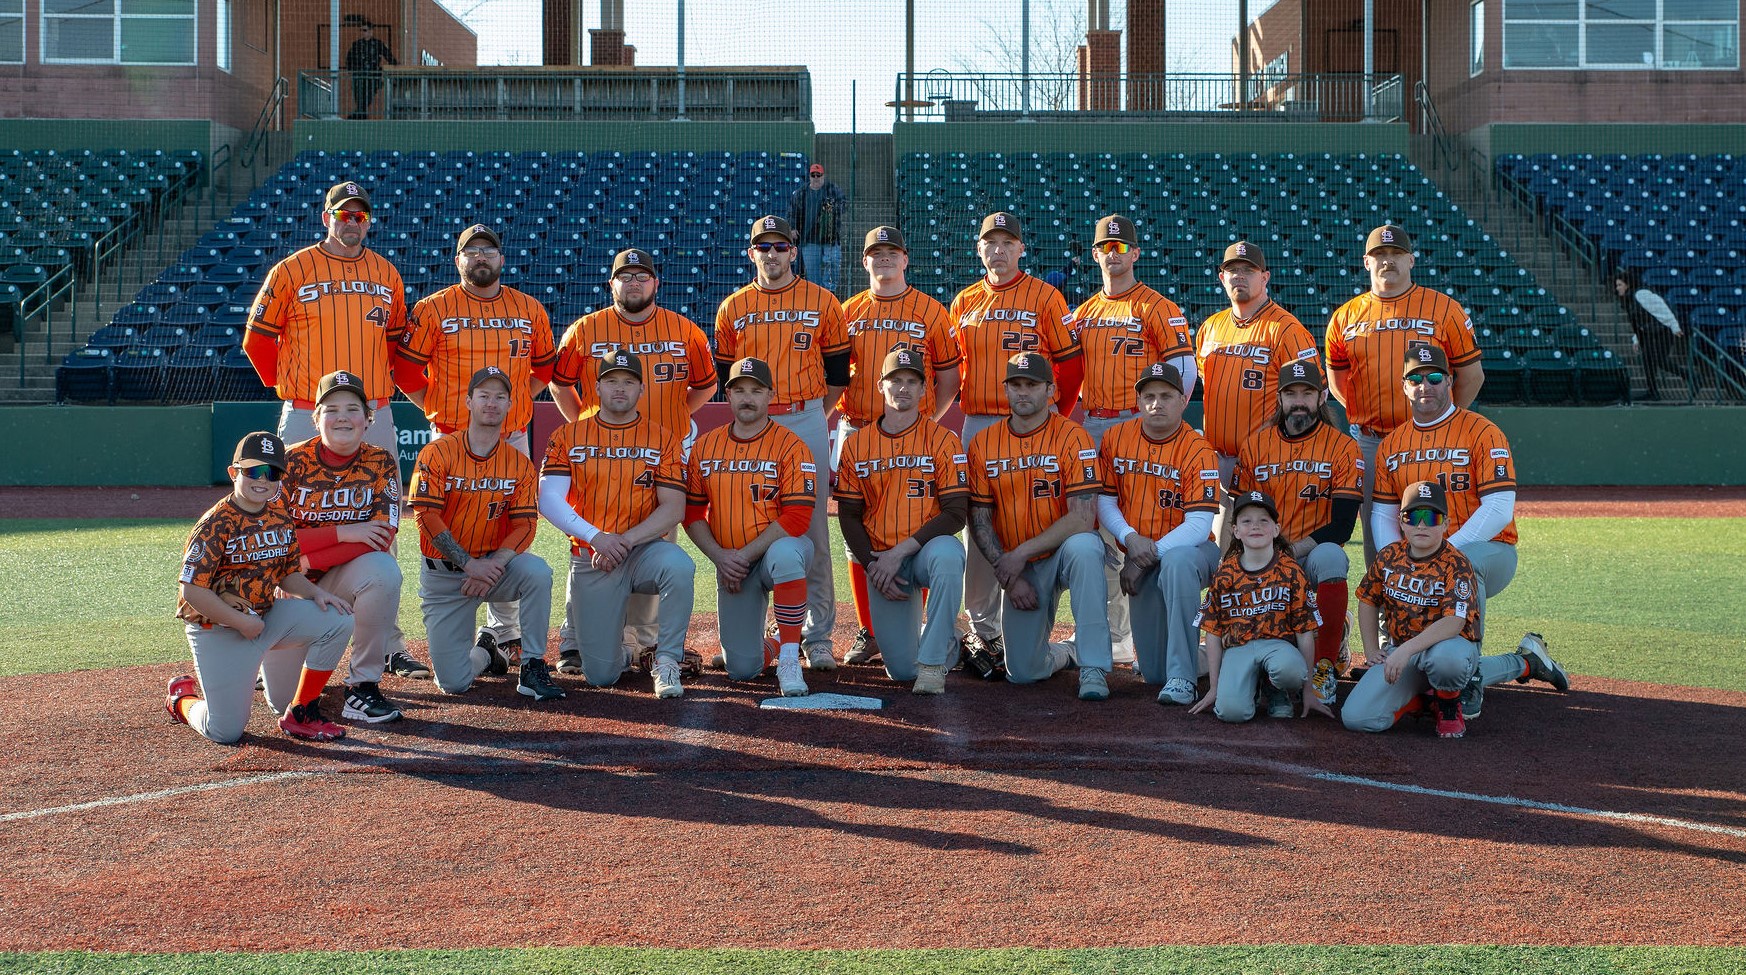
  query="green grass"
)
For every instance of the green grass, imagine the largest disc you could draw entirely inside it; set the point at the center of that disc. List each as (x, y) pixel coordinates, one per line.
(1236, 960)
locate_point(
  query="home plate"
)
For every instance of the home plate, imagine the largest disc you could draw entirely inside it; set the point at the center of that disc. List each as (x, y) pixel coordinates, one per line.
(822, 702)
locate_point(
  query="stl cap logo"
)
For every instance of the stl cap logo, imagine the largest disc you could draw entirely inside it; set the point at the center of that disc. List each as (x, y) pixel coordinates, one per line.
(1000, 220)
(1387, 236)
(266, 446)
(1115, 226)
(633, 258)
(746, 368)
(1242, 250)
(883, 234)
(1424, 490)
(352, 188)
(342, 378)
(621, 360)
(1425, 355)
(1023, 361)
(769, 223)
(1255, 496)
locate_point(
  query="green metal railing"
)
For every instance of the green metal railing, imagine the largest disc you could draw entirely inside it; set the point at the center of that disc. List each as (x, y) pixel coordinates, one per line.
(941, 95)
(566, 94)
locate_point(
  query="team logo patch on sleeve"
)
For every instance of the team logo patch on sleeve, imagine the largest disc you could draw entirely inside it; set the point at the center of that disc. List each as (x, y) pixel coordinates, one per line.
(960, 459)
(1211, 475)
(1499, 453)
(806, 468)
(1088, 454)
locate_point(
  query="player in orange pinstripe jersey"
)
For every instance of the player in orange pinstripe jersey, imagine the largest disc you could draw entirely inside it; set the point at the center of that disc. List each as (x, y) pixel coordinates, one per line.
(476, 501)
(1368, 336)
(1033, 514)
(889, 315)
(331, 306)
(902, 496)
(1160, 489)
(796, 328)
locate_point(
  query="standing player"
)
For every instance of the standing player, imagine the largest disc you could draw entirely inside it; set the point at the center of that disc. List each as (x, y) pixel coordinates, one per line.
(1303, 459)
(1160, 491)
(902, 496)
(240, 553)
(345, 497)
(1369, 335)
(477, 506)
(333, 305)
(889, 315)
(615, 484)
(1469, 459)
(678, 378)
(748, 501)
(1033, 515)
(1005, 313)
(796, 328)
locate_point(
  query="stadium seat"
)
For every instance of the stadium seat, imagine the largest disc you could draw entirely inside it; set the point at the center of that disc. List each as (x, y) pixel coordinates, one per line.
(237, 381)
(85, 376)
(139, 375)
(189, 374)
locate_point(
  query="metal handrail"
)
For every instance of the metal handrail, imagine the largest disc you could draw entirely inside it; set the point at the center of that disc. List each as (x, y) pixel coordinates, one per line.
(47, 295)
(1728, 371)
(258, 135)
(994, 96)
(1432, 124)
(213, 165)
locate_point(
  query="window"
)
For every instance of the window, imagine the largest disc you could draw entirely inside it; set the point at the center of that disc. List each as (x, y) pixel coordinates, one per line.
(221, 35)
(11, 31)
(1476, 38)
(1670, 35)
(118, 31)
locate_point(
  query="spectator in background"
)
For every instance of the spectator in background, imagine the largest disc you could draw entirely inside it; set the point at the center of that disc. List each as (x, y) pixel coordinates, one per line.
(816, 212)
(1655, 329)
(364, 60)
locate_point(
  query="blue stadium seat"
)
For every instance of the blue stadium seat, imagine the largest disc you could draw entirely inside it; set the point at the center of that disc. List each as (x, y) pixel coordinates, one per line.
(237, 381)
(139, 375)
(85, 376)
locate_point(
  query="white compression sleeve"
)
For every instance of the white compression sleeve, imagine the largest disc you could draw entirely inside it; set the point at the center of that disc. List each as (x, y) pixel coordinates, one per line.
(1494, 512)
(1109, 516)
(555, 506)
(1384, 524)
(1186, 366)
(1196, 527)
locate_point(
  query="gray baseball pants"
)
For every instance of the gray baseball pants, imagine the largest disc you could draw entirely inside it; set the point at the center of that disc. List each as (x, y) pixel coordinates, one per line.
(739, 619)
(371, 583)
(982, 594)
(1240, 670)
(1166, 644)
(1375, 704)
(904, 640)
(1119, 628)
(1076, 566)
(450, 615)
(821, 589)
(595, 604)
(296, 633)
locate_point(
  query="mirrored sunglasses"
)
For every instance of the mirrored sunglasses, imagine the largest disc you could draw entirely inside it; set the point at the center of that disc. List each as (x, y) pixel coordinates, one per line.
(351, 216)
(1434, 378)
(261, 472)
(1423, 517)
(1114, 247)
(780, 247)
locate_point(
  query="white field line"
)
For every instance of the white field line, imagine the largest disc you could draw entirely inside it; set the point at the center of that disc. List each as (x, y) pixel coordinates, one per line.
(138, 797)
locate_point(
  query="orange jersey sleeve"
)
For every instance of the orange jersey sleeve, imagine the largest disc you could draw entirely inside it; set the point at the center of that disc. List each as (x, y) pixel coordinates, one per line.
(328, 313)
(900, 478)
(1369, 337)
(454, 334)
(366, 488)
(1303, 475)
(991, 324)
(614, 471)
(1028, 478)
(745, 483)
(877, 326)
(233, 551)
(792, 329)
(675, 354)
(1157, 482)
(1239, 363)
(477, 496)
(1414, 593)
(1271, 603)
(1465, 452)
(1122, 335)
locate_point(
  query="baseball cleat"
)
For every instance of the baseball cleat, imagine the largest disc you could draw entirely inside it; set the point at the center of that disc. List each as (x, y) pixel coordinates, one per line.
(929, 679)
(487, 642)
(1473, 698)
(984, 658)
(1093, 685)
(1450, 723)
(1176, 691)
(1279, 704)
(1541, 666)
(865, 649)
(305, 721)
(790, 679)
(364, 702)
(536, 681)
(570, 662)
(818, 656)
(667, 684)
(511, 650)
(179, 688)
(1324, 683)
(403, 664)
(1345, 661)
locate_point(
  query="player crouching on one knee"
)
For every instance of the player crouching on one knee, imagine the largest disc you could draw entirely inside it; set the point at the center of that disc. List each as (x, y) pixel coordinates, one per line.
(241, 551)
(1260, 617)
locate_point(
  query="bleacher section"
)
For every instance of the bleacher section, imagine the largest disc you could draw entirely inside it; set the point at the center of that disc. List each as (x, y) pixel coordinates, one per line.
(563, 216)
(1310, 213)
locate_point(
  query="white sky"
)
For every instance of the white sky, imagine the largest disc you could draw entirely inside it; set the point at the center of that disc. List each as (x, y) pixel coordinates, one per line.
(846, 41)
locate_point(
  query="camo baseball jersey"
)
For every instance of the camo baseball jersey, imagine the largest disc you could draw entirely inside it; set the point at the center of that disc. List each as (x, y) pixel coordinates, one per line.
(675, 354)
(233, 551)
(900, 478)
(745, 483)
(1028, 478)
(1239, 364)
(1304, 474)
(1414, 593)
(1121, 335)
(1370, 336)
(329, 313)
(877, 326)
(614, 470)
(365, 488)
(1156, 483)
(1025, 315)
(792, 328)
(1464, 452)
(454, 334)
(1275, 602)
(477, 497)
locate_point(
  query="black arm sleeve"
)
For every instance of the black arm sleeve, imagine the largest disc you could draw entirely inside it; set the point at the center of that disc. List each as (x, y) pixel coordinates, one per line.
(1339, 527)
(954, 515)
(854, 531)
(721, 373)
(836, 367)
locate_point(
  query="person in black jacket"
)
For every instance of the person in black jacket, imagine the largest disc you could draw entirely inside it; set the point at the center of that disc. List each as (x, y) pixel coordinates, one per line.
(364, 59)
(1655, 329)
(817, 211)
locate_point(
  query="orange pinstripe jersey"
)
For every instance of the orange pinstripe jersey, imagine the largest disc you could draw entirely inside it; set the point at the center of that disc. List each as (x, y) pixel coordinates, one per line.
(1239, 362)
(675, 354)
(901, 477)
(746, 483)
(232, 551)
(1303, 474)
(1414, 593)
(1122, 335)
(614, 470)
(454, 334)
(329, 313)
(1274, 602)
(1370, 336)
(365, 488)
(1464, 452)
(792, 329)
(477, 496)
(990, 323)
(876, 326)
(1028, 478)
(1157, 482)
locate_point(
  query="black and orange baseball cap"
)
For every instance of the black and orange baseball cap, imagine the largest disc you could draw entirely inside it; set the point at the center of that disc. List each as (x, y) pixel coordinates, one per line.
(772, 224)
(1029, 365)
(900, 359)
(619, 360)
(1388, 235)
(476, 232)
(1424, 494)
(1301, 372)
(1159, 372)
(1245, 252)
(884, 236)
(1422, 357)
(262, 448)
(757, 370)
(342, 193)
(1254, 499)
(1002, 221)
(634, 258)
(340, 381)
(1116, 227)
(488, 374)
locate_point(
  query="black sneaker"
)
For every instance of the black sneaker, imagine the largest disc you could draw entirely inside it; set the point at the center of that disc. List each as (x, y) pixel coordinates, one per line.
(403, 664)
(511, 650)
(364, 702)
(570, 663)
(864, 651)
(536, 681)
(487, 642)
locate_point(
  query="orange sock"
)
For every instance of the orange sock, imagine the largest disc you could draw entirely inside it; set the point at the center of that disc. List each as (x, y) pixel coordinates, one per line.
(1331, 600)
(858, 585)
(310, 686)
(790, 598)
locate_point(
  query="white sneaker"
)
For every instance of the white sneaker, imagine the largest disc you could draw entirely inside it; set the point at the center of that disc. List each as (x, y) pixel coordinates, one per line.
(818, 656)
(789, 677)
(929, 679)
(1177, 691)
(667, 679)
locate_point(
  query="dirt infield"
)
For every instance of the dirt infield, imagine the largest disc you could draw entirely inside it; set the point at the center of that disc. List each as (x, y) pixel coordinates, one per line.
(997, 815)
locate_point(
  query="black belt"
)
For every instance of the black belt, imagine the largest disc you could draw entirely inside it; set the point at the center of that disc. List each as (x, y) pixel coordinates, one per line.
(430, 563)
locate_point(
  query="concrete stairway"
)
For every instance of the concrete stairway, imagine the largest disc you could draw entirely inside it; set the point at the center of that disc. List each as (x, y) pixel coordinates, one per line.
(863, 166)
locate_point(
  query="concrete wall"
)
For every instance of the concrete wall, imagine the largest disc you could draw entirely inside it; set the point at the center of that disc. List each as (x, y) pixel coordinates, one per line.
(1148, 137)
(1627, 138)
(571, 136)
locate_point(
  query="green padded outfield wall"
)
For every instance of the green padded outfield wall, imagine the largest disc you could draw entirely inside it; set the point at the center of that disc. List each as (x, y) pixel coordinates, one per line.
(159, 446)
(336, 134)
(1631, 139)
(1190, 137)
